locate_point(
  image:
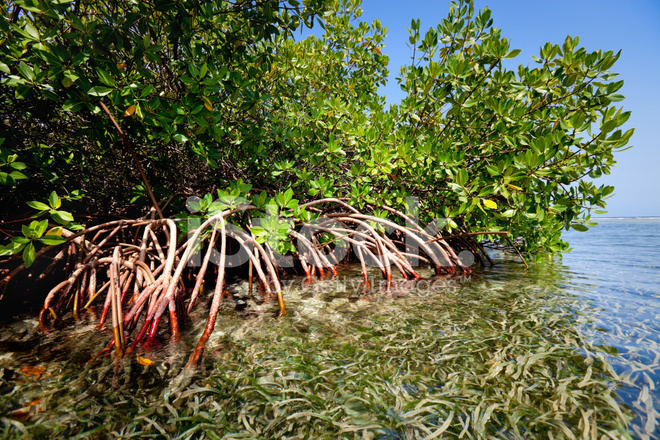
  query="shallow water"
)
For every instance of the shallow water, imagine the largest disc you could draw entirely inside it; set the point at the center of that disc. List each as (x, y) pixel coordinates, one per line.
(617, 266)
(565, 349)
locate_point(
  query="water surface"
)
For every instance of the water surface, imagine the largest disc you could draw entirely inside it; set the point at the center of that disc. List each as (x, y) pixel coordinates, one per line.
(564, 349)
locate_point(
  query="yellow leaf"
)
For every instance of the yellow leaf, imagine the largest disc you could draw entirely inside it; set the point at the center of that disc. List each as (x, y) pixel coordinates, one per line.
(490, 204)
(145, 361)
(55, 231)
(207, 103)
(514, 186)
(121, 66)
(67, 82)
(129, 111)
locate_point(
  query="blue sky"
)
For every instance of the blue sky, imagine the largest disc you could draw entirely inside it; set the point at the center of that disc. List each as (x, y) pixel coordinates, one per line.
(631, 26)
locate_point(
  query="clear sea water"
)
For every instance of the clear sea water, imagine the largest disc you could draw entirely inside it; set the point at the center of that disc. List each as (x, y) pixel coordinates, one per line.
(616, 266)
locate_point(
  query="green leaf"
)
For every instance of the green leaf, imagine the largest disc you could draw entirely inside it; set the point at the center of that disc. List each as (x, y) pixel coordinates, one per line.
(72, 106)
(52, 240)
(28, 255)
(71, 75)
(76, 194)
(54, 200)
(146, 91)
(179, 137)
(616, 97)
(258, 231)
(14, 247)
(40, 228)
(492, 170)
(287, 196)
(26, 71)
(579, 227)
(5, 251)
(105, 78)
(217, 206)
(292, 204)
(38, 206)
(462, 177)
(61, 217)
(17, 175)
(99, 91)
(6, 179)
(193, 205)
(32, 31)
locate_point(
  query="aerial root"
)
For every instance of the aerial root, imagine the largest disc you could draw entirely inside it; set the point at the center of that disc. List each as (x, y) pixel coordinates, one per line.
(161, 273)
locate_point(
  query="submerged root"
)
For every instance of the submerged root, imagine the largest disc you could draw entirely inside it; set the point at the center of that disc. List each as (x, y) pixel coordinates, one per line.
(162, 272)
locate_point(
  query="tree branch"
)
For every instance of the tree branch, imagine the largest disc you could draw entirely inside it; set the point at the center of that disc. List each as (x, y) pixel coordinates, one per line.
(128, 146)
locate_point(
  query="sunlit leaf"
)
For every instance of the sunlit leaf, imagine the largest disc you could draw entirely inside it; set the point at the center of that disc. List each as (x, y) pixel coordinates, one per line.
(38, 205)
(40, 228)
(61, 217)
(489, 204)
(54, 200)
